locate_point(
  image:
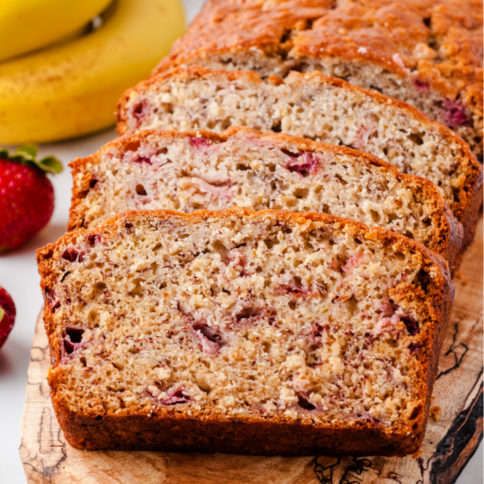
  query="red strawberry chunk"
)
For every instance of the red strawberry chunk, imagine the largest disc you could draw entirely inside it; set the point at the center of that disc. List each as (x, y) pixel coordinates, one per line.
(200, 142)
(304, 402)
(422, 85)
(208, 337)
(215, 189)
(455, 114)
(304, 163)
(73, 255)
(139, 111)
(353, 262)
(249, 315)
(52, 300)
(72, 339)
(388, 307)
(411, 324)
(392, 315)
(175, 397)
(362, 137)
(93, 239)
(297, 291)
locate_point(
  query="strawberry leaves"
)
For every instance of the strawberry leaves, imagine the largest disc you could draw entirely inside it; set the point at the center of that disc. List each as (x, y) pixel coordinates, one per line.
(26, 155)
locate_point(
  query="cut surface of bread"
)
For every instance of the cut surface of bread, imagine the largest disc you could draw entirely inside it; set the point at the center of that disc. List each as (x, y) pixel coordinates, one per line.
(246, 168)
(253, 332)
(317, 107)
(425, 52)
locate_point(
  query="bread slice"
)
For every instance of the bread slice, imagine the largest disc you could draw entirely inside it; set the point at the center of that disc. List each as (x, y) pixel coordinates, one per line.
(246, 168)
(427, 53)
(264, 332)
(317, 107)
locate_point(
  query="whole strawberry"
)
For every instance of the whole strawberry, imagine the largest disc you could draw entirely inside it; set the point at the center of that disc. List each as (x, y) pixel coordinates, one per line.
(7, 315)
(26, 195)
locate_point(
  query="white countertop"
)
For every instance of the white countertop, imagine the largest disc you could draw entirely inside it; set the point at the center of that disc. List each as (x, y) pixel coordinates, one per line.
(18, 274)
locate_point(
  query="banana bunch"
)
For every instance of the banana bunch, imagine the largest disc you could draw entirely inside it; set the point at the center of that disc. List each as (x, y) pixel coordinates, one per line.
(27, 25)
(70, 86)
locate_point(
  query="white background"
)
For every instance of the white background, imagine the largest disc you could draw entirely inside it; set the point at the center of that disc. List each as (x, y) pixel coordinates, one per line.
(18, 274)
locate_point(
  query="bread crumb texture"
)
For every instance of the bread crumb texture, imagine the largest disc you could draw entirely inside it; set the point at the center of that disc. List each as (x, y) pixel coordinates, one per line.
(316, 107)
(246, 168)
(263, 316)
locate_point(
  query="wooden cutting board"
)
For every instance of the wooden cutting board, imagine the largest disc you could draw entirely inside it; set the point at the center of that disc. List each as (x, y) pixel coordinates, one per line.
(453, 433)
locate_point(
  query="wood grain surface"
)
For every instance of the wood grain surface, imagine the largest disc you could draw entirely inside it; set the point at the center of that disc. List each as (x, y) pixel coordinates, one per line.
(453, 433)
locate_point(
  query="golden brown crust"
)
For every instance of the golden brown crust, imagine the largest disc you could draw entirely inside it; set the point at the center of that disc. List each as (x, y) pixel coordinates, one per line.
(370, 30)
(448, 239)
(234, 436)
(469, 193)
(436, 44)
(170, 429)
(82, 185)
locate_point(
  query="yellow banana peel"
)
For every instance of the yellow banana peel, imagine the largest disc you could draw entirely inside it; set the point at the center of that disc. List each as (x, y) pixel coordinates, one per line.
(72, 89)
(27, 25)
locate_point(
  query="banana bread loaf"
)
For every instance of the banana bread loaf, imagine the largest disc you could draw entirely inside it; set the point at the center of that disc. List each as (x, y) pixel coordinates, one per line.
(317, 107)
(253, 332)
(247, 168)
(425, 52)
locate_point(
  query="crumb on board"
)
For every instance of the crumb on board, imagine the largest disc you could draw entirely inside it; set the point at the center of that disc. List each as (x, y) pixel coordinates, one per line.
(459, 276)
(434, 413)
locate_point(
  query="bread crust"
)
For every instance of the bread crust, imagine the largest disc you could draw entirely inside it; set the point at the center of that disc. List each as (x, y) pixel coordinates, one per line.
(433, 45)
(467, 205)
(448, 240)
(170, 429)
(260, 437)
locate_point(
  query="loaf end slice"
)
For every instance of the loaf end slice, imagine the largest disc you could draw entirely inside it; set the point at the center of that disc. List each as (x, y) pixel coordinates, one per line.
(253, 332)
(246, 168)
(317, 107)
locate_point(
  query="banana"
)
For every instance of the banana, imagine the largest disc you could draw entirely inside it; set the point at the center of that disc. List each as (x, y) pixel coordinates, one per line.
(27, 25)
(72, 89)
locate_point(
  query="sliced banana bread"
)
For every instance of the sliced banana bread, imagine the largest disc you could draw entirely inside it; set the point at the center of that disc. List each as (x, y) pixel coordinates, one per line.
(317, 107)
(425, 52)
(253, 332)
(246, 168)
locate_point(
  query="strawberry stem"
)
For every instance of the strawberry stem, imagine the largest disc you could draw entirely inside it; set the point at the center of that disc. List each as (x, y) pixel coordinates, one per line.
(26, 154)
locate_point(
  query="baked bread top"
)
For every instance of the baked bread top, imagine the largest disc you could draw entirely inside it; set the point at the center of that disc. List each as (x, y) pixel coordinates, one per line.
(435, 45)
